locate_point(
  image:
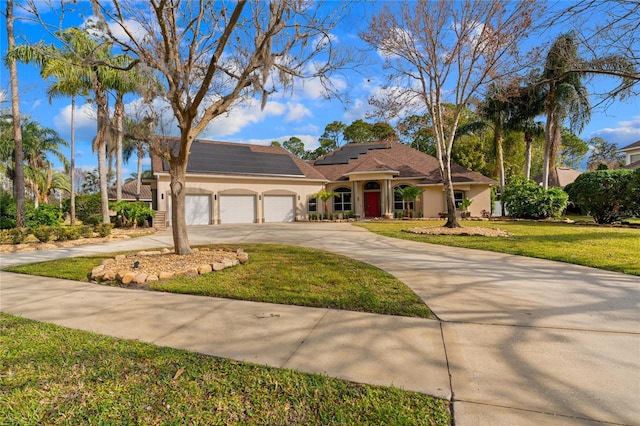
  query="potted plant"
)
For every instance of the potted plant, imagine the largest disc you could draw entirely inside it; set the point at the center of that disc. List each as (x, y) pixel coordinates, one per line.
(464, 207)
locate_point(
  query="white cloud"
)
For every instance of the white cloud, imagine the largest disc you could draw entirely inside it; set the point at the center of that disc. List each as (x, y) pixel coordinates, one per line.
(84, 120)
(296, 112)
(240, 117)
(625, 132)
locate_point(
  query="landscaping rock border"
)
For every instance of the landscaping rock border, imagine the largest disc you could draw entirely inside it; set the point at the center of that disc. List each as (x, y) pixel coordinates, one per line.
(152, 266)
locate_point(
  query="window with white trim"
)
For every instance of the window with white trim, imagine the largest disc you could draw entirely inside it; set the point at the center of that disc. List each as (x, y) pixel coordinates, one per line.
(342, 201)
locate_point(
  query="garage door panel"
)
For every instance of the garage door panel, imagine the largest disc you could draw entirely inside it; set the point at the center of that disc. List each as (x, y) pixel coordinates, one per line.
(237, 209)
(279, 208)
(197, 209)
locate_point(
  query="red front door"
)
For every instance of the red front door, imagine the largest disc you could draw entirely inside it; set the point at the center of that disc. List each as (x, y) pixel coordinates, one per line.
(372, 204)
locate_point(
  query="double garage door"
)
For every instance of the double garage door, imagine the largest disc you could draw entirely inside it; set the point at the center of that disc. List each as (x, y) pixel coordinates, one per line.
(242, 208)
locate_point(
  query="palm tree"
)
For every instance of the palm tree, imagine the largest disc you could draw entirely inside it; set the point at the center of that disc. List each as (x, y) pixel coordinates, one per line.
(408, 194)
(137, 136)
(325, 196)
(18, 181)
(566, 98)
(82, 60)
(39, 142)
(526, 104)
(123, 83)
(68, 81)
(69, 84)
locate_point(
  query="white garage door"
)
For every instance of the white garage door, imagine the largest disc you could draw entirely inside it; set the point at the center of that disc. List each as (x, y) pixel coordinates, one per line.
(197, 209)
(279, 208)
(237, 209)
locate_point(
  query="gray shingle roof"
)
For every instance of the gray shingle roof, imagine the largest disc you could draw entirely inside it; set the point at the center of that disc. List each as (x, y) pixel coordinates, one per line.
(397, 157)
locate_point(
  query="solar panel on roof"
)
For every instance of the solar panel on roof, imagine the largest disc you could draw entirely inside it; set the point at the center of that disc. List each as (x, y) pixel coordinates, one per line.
(347, 153)
(238, 159)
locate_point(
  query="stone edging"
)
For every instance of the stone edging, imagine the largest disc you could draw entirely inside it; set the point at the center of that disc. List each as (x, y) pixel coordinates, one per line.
(152, 266)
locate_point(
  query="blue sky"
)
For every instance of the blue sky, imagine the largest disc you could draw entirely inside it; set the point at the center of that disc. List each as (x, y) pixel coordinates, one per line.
(303, 113)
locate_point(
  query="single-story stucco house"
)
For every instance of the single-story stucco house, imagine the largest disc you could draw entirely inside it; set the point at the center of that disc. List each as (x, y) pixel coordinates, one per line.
(240, 183)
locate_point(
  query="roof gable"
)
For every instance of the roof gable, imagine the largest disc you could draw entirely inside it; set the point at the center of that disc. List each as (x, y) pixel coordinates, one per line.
(390, 156)
(631, 147)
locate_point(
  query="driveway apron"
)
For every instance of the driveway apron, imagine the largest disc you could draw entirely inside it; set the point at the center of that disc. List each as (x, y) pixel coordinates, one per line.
(519, 340)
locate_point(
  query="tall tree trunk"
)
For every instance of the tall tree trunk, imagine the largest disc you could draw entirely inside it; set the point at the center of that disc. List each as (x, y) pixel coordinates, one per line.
(528, 141)
(118, 115)
(445, 170)
(548, 132)
(498, 140)
(139, 177)
(177, 172)
(72, 171)
(103, 122)
(18, 180)
(556, 141)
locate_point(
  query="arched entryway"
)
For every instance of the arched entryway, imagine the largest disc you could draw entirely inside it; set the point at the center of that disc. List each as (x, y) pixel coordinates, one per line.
(372, 199)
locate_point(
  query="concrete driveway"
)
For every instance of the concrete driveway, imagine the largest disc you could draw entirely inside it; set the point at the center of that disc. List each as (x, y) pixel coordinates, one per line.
(523, 341)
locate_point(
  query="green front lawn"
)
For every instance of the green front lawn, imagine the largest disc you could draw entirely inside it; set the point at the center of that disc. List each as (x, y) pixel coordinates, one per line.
(277, 274)
(52, 375)
(613, 249)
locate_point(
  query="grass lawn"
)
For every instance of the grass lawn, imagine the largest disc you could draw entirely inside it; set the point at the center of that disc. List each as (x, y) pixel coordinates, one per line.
(613, 249)
(278, 274)
(52, 375)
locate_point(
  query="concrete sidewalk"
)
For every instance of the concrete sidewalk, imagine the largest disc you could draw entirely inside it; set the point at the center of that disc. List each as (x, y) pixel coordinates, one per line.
(521, 341)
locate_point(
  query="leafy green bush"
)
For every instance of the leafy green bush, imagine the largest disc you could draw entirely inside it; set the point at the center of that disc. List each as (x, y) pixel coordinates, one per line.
(45, 214)
(7, 211)
(132, 213)
(43, 233)
(18, 235)
(86, 231)
(525, 199)
(104, 229)
(61, 233)
(607, 195)
(88, 208)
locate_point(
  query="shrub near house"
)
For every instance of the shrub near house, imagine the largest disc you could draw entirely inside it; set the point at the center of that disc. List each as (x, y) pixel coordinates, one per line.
(525, 199)
(607, 195)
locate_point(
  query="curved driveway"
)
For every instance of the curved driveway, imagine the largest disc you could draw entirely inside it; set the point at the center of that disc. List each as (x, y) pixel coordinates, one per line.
(519, 341)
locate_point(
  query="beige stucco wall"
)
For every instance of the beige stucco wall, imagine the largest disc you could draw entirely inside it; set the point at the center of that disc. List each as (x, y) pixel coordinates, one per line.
(434, 199)
(231, 185)
(431, 203)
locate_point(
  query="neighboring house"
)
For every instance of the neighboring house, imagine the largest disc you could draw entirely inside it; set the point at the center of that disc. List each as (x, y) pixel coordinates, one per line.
(632, 155)
(129, 191)
(565, 177)
(239, 183)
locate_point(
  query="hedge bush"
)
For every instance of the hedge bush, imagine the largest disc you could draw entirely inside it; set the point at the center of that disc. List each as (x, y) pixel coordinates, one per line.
(525, 199)
(607, 195)
(44, 215)
(43, 233)
(104, 229)
(88, 208)
(7, 211)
